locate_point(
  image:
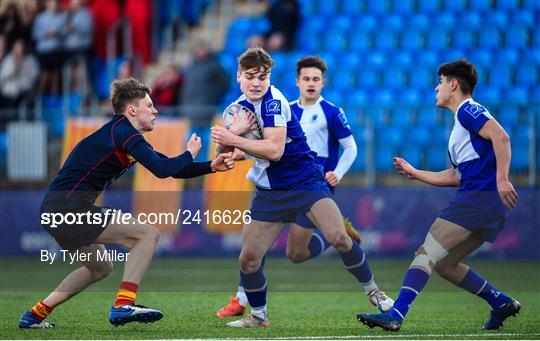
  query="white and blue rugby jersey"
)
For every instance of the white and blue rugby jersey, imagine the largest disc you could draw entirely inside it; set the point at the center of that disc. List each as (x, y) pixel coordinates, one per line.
(473, 158)
(297, 168)
(324, 124)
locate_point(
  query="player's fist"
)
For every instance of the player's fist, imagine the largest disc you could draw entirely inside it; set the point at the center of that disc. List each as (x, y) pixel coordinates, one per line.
(404, 168)
(194, 145)
(223, 162)
(238, 154)
(222, 136)
(331, 178)
(508, 194)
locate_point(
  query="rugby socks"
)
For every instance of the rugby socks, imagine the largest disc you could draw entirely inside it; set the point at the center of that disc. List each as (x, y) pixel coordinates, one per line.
(477, 285)
(356, 263)
(241, 296)
(40, 310)
(414, 281)
(126, 294)
(255, 288)
(317, 244)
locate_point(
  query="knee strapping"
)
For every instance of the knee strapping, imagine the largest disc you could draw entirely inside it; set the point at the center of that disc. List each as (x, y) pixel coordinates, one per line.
(434, 253)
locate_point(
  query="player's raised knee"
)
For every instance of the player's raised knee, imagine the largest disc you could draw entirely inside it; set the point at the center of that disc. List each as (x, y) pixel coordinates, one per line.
(249, 262)
(296, 257)
(152, 234)
(103, 270)
(340, 241)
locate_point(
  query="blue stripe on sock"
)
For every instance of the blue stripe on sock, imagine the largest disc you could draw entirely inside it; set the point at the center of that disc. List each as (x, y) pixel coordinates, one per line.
(413, 282)
(357, 264)
(477, 285)
(255, 287)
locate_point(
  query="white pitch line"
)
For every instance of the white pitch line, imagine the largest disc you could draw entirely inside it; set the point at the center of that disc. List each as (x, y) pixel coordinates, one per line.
(349, 337)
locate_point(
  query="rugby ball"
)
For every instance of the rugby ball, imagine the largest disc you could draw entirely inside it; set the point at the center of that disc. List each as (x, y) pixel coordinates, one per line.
(228, 118)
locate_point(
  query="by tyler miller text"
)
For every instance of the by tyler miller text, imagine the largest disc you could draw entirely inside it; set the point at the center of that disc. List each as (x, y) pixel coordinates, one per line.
(77, 256)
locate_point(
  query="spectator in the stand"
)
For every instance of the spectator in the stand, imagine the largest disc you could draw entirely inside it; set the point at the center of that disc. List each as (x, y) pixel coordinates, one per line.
(105, 13)
(29, 12)
(139, 13)
(18, 74)
(77, 41)
(206, 83)
(48, 32)
(10, 25)
(167, 86)
(78, 30)
(284, 17)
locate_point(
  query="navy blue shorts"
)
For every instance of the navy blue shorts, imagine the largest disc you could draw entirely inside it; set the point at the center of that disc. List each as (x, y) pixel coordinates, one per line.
(485, 224)
(285, 206)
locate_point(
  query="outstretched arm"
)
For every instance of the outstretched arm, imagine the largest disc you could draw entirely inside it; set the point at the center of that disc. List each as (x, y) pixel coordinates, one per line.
(445, 178)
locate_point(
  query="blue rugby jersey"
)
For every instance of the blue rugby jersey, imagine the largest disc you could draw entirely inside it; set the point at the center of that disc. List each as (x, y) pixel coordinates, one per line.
(473, 158)
(106, 154)
(324, 125)
(297, 168)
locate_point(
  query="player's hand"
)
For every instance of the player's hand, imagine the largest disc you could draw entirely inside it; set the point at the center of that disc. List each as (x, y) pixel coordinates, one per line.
(194, 145)
(238, 154)
(223, 162)
(507, 193)
(241, 126)
(331, 178)
(222, 136)
(404, 168)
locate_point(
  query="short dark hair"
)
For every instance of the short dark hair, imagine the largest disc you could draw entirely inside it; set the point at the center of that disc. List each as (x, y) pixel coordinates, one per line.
(462, 70)
(255, 58)
(126, 91)
(311, 61)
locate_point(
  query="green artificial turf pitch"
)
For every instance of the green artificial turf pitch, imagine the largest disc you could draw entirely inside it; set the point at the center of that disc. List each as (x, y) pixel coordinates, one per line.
(316, 299)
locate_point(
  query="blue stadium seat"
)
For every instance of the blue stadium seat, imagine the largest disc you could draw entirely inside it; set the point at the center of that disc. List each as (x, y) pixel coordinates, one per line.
(385, 97)
(501, 76)
(437, 39)
(437, 157)
(352, 6)
(428, 58)
(455, 6)
(481, 5)
(394, 77)
(311, 43)
(411, 96)
(359, 97)
(359, 164)
(392, 22)
(471, 20)
(463, 39)
(4, 148)
(454, 53)
(335, 41)
(520, 156)
(315, 25)
(377, 59)
(429, 6)
(411, 39)
(401, 116)
(482, 57)
(488, 95)
(342, 79)
(359, 41)
(482, 73)
(488, 38)
(383, 157)
(419, 136)
(386, 40)
(351, 61)
(402, 58)
(328, 7)
(419, 21)
(377, 6)
(505, 56)
(531, 4)
(412, 154)
(334, 95)
(497, 18)
(527, 74)
(525, 18)
(343, 23)
(403, 6)
(516, 37)
(507, 116)
(367, 22)
(517, 94)
(507, 4)
(330, 59)
(534, 95)
(427, 116)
